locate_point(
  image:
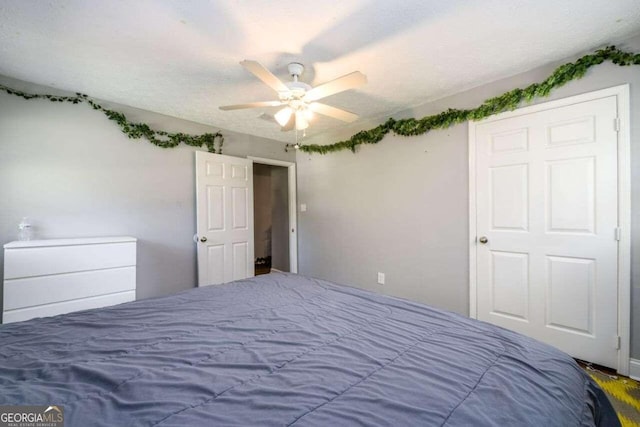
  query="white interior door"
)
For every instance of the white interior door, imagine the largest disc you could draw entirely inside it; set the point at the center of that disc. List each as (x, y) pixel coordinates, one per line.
(547, 205)
(224, 206)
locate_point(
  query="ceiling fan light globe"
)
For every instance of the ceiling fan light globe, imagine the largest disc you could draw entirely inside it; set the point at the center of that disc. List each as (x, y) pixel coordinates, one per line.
(283, 116)
(301, 121)
(308, 114)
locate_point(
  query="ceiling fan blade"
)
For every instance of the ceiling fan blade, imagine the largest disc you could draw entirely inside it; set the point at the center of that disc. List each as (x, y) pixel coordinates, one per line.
(251, 105)
(348, 81)
(336, 113)
(261, 72)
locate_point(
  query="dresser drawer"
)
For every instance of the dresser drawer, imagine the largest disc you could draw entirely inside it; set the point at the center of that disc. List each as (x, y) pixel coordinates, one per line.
(41, 261)
(32, 291)
(21, 314)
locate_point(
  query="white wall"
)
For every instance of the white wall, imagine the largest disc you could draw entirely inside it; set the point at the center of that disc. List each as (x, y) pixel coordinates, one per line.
(74, 173)
(401, 206)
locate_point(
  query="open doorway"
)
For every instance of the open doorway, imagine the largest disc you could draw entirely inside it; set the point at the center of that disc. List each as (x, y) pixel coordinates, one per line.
(274, 216)
(271, 218)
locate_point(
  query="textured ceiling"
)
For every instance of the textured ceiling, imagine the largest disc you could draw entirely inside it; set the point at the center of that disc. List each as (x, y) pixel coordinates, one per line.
(180, 58)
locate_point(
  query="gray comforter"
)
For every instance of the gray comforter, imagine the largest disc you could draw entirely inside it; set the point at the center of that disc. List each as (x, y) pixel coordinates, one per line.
(283, 349)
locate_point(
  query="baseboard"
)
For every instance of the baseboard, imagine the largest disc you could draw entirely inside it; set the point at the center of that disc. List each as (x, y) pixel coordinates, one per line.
(634, 369)
(275, 270)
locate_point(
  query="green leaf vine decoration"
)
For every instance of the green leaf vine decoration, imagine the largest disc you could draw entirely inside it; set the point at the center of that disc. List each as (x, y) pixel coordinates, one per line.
(134, 130)
(506, 102)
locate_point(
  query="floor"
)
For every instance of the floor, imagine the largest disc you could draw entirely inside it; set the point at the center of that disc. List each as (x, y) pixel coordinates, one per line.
(623, 392)
(263, 265)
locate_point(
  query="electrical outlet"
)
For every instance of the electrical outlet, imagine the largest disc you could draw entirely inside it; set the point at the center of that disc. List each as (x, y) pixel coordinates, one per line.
(380, 278)
(303, 207)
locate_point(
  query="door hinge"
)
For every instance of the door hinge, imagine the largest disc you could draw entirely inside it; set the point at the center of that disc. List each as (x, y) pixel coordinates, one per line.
(618, 233)
(616, 124)
(616, 342)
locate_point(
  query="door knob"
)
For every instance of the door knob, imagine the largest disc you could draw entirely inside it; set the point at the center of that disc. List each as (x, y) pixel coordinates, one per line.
(483, 240)
(203, 239)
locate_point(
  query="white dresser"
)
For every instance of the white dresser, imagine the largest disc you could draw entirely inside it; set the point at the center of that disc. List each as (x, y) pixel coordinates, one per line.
(49, 277)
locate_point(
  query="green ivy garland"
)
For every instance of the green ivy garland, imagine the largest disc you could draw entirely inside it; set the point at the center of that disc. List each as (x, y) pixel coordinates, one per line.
(507, 101)
(134, 130)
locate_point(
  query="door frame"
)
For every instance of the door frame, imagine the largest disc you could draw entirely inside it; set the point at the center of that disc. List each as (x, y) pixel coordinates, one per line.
(293, 220)
(624, 205)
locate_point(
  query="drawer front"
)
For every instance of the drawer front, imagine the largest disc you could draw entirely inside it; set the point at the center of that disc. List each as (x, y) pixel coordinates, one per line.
(29, 262)
(31, 291)
(67, 307)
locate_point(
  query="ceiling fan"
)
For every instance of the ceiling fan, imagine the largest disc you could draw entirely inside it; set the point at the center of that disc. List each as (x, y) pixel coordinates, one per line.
(300, 98)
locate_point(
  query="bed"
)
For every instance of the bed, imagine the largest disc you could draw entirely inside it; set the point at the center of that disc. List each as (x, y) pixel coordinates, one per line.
(283, 349)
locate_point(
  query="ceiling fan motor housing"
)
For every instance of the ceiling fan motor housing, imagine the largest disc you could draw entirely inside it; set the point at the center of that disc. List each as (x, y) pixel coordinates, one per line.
(296, 91)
